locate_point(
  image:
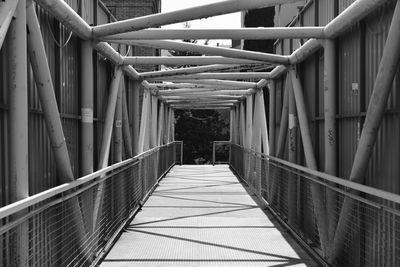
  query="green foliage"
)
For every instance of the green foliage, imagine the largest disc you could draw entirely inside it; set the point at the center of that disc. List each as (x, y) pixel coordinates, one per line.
(198, 129)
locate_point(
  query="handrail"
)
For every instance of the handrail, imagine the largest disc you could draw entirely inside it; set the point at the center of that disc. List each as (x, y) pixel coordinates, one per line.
(34, 199)
(330, 178)
(214, 151)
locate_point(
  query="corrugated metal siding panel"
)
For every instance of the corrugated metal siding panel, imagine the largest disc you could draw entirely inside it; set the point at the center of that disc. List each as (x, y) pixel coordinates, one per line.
(308, 16)
(348, 130)
(349, 72)
(278, 48)
(102, 17)
(343, 4)
(308, 81)
(296, 43)
(286, 47)
(88, 11)
(3, 158)
(325, 11)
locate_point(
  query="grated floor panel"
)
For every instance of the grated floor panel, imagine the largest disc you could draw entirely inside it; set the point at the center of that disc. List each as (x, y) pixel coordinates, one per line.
(202, 216)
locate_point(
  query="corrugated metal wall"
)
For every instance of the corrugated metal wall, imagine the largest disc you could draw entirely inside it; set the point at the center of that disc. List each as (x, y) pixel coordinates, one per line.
(63, 52)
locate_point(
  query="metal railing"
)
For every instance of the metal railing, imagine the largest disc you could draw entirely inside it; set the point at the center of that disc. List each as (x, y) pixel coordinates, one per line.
(372, 216)
(220, 152)
(58, 228)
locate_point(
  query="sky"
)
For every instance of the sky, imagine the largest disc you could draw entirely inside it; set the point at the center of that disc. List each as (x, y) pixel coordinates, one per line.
(225, 21)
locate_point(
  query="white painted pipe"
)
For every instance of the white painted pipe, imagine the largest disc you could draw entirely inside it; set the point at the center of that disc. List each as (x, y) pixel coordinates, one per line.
(210, 50)
(189, 60)
(205, 11)
(125, 123)
(233, 34)
(200, 96)
(7, 10)
(225, 76)
(206, 92)
(64, 13)
(182, 71)
(307, 49)
(221, 83)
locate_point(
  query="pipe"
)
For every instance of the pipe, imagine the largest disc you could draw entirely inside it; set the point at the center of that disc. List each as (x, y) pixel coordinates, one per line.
(260, 33)
(224, 7)
(160, 130)
(7, 10)
(183, 71)
(209, 50)
(319, 207)
(87, 87)
(117, 132)
(44, 84)
(136, 116)
(382, 87)
(154, 113)
(263, 122)
(215, 84)
(303, 52)
(220, 83)
(188, 92)
(330, 128)
(64, 13)
(292, 179)
(143, 121)
(18, 127)
(249, 120)
(126, 124)
(183, 60)
(224, 76)
(272, 116)
(203, 97)
(283, 126)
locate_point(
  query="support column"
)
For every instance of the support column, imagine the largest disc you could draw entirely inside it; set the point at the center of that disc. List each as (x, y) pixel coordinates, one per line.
(86, 108)
(242, 124)
(154, 113)
(292, 182)
(283, 127)
(330, 128)
(117, 157)
(272, 116)
(249, 120)
(319, 207)
(382, 87)
(125, 123)
(136, 116)
(143, 122)
(161, 123)
(18, 126)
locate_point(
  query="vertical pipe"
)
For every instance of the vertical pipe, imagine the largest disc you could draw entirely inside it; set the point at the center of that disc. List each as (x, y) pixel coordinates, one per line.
(311, 162)
(172, 125)
(136, 116)
(118, 126)
(143, 121)
(383, 84)
(242, 124)
(249, 120)
(292, 182)
(125, 123)
(86, 108)
(272, 116)
(263, 123)
(231, 122)
(161, 123)
(284, 121)
(18, 125)
(154, 114)
(330, 128)
(44, 84)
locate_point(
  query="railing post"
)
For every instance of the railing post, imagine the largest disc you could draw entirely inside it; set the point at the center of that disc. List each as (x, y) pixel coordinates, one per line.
(18, 127)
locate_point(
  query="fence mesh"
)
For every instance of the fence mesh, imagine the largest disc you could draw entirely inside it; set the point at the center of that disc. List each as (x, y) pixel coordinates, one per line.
(67, 230)
(363, 229)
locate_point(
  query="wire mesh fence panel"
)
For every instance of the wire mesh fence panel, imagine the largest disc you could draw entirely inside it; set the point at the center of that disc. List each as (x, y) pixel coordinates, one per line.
(67, 228)
(221, 150)
(363, 223)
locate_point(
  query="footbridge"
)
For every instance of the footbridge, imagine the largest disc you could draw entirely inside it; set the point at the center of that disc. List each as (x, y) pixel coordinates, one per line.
(91, 173)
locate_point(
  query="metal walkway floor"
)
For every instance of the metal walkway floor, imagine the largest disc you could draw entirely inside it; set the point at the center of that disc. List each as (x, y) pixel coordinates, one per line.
(202, 216)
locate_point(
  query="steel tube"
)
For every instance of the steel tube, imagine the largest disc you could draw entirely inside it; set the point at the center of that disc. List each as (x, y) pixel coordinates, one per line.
(87, 88)
(188, 92)
(160, 124)
(209, 50)
(283, 126)
(233, 34)
(143, 134)
(382, 87)
(126, 124)
(64, 13)
(44, 84)
(272, 116)
(136, 116)
(117, 132)
(183, 60)
(215, 83)
(154, 114)
(249, 120)
(18, 127)
(225, 76)
(7, 10)
(311, 161)
(182, 71)
(224, 7)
